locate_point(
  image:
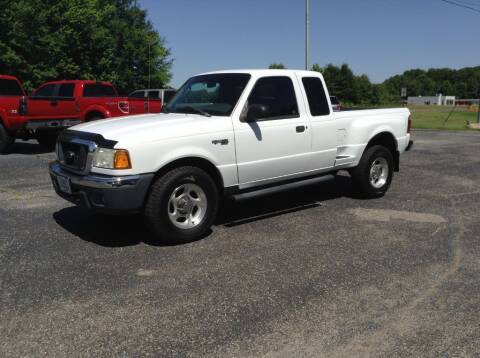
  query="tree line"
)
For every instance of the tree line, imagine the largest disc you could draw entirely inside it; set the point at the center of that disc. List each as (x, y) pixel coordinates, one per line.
(354, 89)
(107, 40)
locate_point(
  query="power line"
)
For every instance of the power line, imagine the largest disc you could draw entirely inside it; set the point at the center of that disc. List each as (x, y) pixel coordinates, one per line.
(473, 4)
(468, 2)
(461, 5)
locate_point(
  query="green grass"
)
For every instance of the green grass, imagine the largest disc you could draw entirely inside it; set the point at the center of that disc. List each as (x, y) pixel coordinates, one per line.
(428, 117)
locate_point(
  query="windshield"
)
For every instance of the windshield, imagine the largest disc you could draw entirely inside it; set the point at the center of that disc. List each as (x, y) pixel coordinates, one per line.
(10, 88)
(215, 94)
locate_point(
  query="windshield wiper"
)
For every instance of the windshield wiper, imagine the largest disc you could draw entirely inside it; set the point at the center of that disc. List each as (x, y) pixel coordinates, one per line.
(197, 110)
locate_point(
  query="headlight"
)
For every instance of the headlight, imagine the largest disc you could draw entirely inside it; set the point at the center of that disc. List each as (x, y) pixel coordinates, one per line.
(112, 159)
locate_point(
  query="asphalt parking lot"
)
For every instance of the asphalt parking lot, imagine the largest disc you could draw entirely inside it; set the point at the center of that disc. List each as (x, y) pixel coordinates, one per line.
(308, 272)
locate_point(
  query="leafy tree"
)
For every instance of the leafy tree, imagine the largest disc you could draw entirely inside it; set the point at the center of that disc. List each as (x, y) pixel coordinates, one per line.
(279, 66)
(462, 83)
(108, 40)
(358, 90)
(344, 84)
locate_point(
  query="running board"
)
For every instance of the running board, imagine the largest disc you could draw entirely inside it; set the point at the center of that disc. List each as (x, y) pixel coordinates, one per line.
(282, 187)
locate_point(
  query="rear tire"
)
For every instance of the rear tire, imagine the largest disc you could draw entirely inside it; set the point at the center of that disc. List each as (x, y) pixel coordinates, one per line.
(6, 140)
(95, 117)
(374, 173)
(182, 205)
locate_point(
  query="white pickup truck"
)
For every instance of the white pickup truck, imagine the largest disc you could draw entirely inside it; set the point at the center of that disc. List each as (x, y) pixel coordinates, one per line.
(225, 133)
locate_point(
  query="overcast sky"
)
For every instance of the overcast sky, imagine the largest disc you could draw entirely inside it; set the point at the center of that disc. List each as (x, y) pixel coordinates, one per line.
(380, 38)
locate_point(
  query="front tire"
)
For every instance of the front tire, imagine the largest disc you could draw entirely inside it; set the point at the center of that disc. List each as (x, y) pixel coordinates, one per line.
(374, 173)
(6, 140)
(182, 205)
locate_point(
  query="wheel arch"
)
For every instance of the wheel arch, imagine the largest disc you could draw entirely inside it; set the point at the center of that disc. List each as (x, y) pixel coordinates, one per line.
(386, 139)
(198, 162)
(94, 113)
(95, 109)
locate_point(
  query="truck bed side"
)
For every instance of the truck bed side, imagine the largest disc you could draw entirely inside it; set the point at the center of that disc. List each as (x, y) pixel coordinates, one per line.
(355, 129)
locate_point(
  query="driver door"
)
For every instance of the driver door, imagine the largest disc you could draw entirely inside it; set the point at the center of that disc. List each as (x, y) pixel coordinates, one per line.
(276, 146)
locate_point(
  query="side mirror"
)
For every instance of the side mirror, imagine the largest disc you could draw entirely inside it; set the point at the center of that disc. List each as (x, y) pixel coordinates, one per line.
(256, 112)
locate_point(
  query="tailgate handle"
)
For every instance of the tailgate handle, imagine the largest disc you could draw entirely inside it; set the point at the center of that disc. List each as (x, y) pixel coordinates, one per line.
(300, 129)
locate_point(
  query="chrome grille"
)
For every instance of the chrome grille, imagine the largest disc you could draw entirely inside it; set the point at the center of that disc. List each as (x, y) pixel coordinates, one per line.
(76, 155)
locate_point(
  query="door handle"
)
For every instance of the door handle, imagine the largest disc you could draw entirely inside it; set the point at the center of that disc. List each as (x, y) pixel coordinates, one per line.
(300, 129)
(54, 103)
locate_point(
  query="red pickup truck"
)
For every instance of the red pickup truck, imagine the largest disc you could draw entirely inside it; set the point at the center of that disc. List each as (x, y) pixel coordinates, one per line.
(57, 105)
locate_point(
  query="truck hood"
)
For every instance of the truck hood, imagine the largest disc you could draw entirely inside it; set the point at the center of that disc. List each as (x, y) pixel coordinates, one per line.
(153, 127)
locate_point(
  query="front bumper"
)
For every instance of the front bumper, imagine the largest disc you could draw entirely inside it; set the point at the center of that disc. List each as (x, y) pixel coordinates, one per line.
(110, 194)
(51, 124)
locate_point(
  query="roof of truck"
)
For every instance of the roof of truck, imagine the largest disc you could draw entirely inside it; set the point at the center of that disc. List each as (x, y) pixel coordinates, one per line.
(262, 72)
(7, 77)
(79, 82)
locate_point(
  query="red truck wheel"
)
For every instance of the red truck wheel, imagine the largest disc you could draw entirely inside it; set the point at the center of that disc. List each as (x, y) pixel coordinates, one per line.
(5, 139)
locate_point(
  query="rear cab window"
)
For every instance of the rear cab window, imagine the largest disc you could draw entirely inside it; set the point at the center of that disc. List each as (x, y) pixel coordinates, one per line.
(66, 90)
(10, 88)
(317, 99)
(98, 90)
(277, 94)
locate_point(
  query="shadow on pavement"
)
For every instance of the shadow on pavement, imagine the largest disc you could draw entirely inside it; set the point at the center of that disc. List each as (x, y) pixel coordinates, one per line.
(120, 231)
(298, 199)
(31, 147)
(104, 230)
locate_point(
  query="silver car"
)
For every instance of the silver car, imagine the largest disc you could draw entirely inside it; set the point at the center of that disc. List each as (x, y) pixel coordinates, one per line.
(164, 94)
(336, 105)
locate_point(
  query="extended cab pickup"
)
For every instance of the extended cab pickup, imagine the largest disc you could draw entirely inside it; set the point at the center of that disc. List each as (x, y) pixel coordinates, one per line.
(57, 105)
(225, 133)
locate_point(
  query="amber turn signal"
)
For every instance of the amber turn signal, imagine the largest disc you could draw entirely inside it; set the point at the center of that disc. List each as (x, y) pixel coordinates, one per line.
(122, 160)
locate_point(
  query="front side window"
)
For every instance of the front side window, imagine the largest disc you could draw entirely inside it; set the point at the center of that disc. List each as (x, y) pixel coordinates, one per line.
(317, 100)
(98, 90)
(10, 88)
(45, 91)
(215, 94)
(277, 95)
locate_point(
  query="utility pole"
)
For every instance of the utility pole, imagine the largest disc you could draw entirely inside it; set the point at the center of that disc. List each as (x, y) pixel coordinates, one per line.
(149, 56)
(307, 34)
(478, 108)
(478, 111)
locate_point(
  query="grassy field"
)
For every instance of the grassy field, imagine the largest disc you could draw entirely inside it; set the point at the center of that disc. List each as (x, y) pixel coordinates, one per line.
(432, 117)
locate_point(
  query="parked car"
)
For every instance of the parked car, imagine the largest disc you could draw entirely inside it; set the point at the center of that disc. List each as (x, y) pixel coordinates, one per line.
(164, 94)
(336, 105)
(57, 105)
(226, 133)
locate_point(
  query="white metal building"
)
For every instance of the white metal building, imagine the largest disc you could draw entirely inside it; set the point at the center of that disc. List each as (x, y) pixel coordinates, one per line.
(438, 100)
